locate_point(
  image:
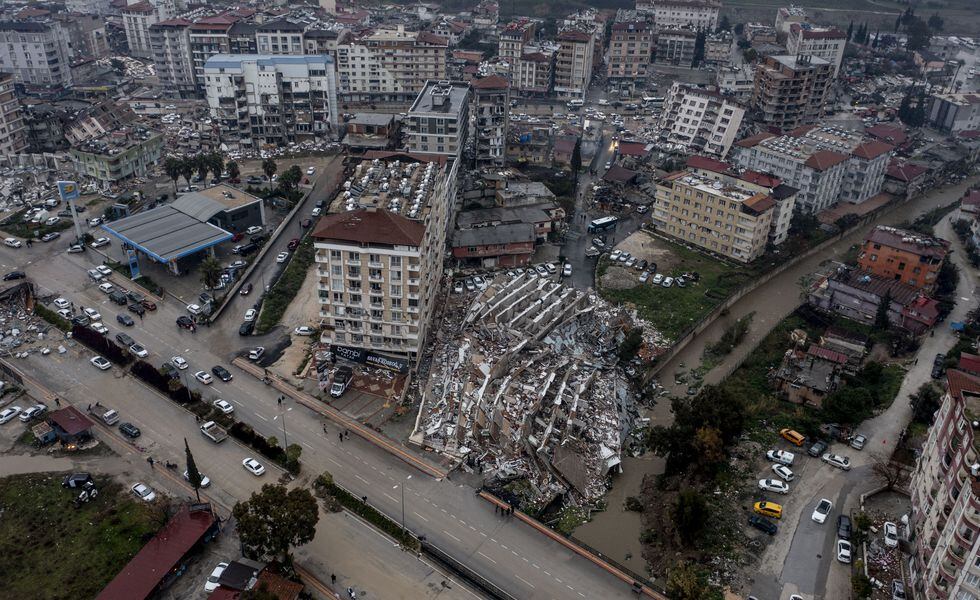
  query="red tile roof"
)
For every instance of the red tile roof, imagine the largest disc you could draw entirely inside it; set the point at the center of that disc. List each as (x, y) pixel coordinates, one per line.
(759, 203)
(71, 420)
(959, 382)
(893, 134)
(872, 149)
(431, 38)
(753, 140)
(708, 164)
(279, 586)
(827, 354)
(493, 82)
(633, 149)
(825, 159)
(905, 171)
(140, 7)
(618, 174)
(969, 363)
(367, 226)
(763, 179)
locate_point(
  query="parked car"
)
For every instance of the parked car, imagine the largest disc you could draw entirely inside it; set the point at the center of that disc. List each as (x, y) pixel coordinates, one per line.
(781, 456)
(858, 441)
(205, 482)
(11, 276)
(224, 406)
(822, 510)
(194, 309)
(763, 524)
(99, 242)
(139, 351)
(253, 230)
(106, 288)
(304, 330)
(844, 527)
(100, 363)
(221, 373)
(12, 242)
(32, 412)
(282, 257)
(130, 430)
(48, 237)
(768, 509)
(253, 466)
(212, 583)
(204, 377)
(8, 414)
(143, 492)
(125, 320)
(668, 281)
(836, 460)
(250, 315)
(783, 472)
(844, 551)
(898, 590)
(179, 362)
(293, 244)
(124, 339)
(817, 448)
(100, 328)
(185, 322)
(246, 289)
(891, 534)
(137, 308)
(246, 328)
(61, 303)
(256, 353)
(773, 485)
(106, 271)
(657, 279)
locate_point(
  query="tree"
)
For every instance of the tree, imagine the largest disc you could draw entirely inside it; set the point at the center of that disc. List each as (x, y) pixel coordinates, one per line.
(925, 402)
(273, 519)
(216, 163)
(918, 34)
(291, 178)
(889, 472)
(882, 322)
(699, 42)
(947, 279)
(233, 171)
(691, 514)
(202, 164)
(172, 167)
(861, 585)
(724, 24)
(269, 167)
(850, 31)
(187, 168)
(193, 475)
(210, 272)
(687, 581)
(848, 405)
(936, 22)
(708, 447)
(739, 29)
(577, 157)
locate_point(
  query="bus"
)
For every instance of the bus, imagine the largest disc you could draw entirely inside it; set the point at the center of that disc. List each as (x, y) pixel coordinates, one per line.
(653, 101)
(603, 224)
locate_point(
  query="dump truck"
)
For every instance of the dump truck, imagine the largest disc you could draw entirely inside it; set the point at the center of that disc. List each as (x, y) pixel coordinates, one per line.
(341, 381)
(214, 432)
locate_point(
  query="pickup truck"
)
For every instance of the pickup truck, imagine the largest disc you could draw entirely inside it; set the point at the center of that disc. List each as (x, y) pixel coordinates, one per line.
(341, 380)
(214, 432)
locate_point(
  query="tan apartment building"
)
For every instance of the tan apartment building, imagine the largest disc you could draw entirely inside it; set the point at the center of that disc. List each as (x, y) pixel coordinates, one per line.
(13, 137)
(535, 73)
(630, 46)
(668, 14)
(389, 65)
(945, 519)
(573, 67)
(379, 257)
(703, 121)
(791, 91)
(513, 38)
(826, 42)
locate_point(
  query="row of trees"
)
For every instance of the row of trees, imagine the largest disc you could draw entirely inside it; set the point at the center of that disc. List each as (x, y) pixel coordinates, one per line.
(200, 164)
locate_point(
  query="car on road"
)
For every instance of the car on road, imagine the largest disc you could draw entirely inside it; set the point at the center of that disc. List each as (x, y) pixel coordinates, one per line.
(125, 320)
(304, 330)
(194, 309)
(99, 327)
(80, 320)
(822, 510)
(614, 256)
(8, 414)
(316, 212)
(185, 322)
(179, 362)
(95, 275)
(768, 509)
(76, 249)
(256, 353)
(250, 315)
(64, 313)
(773, 485)
(14, 275)
(61, 303)
(624, 257)
(898, 590)
(205, 482)
(891, 534)
(32, 412)
(293, 244)
(253, 466)
(118, 297)
(844, 551)
(204, 377)
(212, 583)
(95, 221)
(92, 314)
(139, 351)
(143, 492)
(130, 430)
(783, 472)
(480, 283)
(52, 220)
(137, 308)
(253, 230)
(124, 339)
(566, 270)
(221, 373)
(246, 328)
(246, 289)
(12, 242)
(858, 441)
(48, 237)
(224, 406)
(836, 460)
(106, 288)
(99, 242)
(100, 363)
(310, 170)
(282, 257)
(763, 524)
(781, 456)
(844, 527)
(169, 370)
(817, 448)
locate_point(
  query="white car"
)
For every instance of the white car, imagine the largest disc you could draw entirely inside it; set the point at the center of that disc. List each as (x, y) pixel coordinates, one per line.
(194, 309)
(657, 279)
(282, 257)
(783, 472)
(139, 351)
(99, 327)
(9, 413)
(615, 255)
(224, 406)
(12, 242)
(100, 363)
(106, 288)
(31, 412)
(315, 212)
(822, 510)
(781, 456)
(667, 282)
(250, 315)
(143, 492)
(95, 275)
(75, 249)
(106, 271)
(92, 314)
(541, 270)
(836, 460)
(844, 551)
(567, 270)
(64, 313)
(253, 466)
(205, 482)
(99, 242)
(204, 377)
(303, 330)
(52, 220)
(179, 362)
(95, 221)
(61, 303)
(773, 485)
(212, 583)
(311, 170)
(256, 353)
(891, 534)
(253, 230)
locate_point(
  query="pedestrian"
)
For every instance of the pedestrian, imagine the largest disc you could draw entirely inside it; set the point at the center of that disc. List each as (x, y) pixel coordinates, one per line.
(57, 402)
(333, 578)
(324, 428)
(141, 317)
(279, 400)
(149, 459)
(347, 433)
(89, 407)
(340, 434)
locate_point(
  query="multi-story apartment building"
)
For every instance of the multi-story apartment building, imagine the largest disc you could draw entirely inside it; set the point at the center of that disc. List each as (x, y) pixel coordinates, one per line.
(90, 7)
(170, 44)
(379, 260)
(36, 54)
(945, 486)
(86, 34)
(573, 64)
(119, 155)
(535, 73)
(13, 138)
(718, 212)
(630, 48)
(954, 113)
(826, 42)
(736, 82)
(491, 106)
(704, 122)
(512, 38)
(786, 16)
(279, 37)
(676, 47)
(791, 90)
(439, 120)
(241, 38)
(904, 256)
(827, 164)
(673, 14)
(389, 64)
(324, 41)
(272, 99)
(718, 48)
(210, 37)
(137, 20)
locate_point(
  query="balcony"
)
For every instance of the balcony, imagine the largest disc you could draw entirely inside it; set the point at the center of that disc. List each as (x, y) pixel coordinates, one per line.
(414, 267)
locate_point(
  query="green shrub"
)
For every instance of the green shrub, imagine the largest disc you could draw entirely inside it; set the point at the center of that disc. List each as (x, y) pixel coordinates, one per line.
(285, 289)
(325, 485)
(52, 317)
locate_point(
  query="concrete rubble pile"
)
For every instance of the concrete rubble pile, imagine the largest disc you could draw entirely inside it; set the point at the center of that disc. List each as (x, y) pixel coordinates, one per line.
(525, 383)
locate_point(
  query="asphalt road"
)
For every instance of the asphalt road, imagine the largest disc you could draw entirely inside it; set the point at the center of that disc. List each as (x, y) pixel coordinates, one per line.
(508, 553)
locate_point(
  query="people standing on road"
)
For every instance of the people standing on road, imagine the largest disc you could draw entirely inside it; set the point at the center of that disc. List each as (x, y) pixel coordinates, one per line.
(340, 434)
(150, 460)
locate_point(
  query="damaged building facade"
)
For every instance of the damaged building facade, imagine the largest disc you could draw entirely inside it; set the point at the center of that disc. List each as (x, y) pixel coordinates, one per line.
(526, 385)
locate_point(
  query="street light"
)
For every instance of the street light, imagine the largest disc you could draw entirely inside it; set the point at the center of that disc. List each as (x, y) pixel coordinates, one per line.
(403, 499)
(285, 440)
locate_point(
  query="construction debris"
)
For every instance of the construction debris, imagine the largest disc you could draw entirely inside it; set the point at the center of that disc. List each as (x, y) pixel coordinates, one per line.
(525, 383)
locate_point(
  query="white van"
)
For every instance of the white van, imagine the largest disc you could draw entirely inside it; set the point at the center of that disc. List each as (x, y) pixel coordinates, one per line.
(577, 103)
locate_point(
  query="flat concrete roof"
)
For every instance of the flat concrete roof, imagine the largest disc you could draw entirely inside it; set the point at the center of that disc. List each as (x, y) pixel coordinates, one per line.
(454, 94)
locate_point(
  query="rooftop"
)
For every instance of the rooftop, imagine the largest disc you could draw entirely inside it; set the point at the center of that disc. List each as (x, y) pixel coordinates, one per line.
(909, 241)
(235, 61)
(210, 201)
(878, 286)
(400, 185)
(511, 233)
(441, 97)
(71, 420)
(370, 226)
(797, 63)
(117, 141)
(166, 233)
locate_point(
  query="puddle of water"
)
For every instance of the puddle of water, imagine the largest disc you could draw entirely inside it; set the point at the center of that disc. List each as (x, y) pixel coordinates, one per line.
(25, 463)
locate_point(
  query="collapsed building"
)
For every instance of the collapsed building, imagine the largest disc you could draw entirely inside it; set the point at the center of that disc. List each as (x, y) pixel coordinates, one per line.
(525, 384)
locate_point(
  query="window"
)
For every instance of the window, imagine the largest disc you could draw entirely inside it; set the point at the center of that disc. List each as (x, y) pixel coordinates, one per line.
(354, 256)
(355, 298)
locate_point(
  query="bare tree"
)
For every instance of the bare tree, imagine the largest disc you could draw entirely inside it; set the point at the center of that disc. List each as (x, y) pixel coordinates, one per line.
(889, 472)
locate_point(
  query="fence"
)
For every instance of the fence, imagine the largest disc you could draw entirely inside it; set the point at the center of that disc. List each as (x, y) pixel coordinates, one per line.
(469, 574)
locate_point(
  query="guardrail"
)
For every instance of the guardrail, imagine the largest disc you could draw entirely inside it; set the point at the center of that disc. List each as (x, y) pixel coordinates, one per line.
(469, 574)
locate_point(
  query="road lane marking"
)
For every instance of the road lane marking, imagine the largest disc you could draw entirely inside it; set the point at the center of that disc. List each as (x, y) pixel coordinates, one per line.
(535, 566)
(334, 462)
(526, 582)
(389, 497)
(307, 445)
(362, 479)
(420, 516)
(452, 536)
(486, 557)
(261, 417)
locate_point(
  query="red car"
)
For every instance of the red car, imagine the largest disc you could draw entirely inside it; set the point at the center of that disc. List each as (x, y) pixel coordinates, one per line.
(306, 223)
(148, 305)
(293, 244)
(238, 236)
